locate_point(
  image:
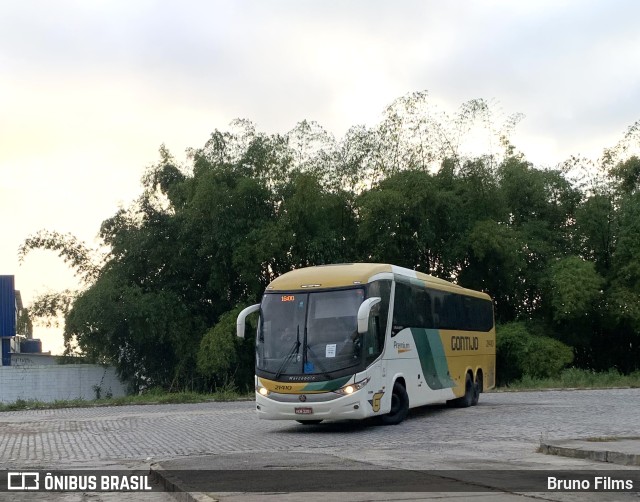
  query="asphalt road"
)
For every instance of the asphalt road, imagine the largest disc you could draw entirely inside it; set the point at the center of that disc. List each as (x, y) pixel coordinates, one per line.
(503, 431)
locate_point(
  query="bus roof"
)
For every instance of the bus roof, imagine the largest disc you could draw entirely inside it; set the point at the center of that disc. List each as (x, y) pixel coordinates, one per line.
(349, 274)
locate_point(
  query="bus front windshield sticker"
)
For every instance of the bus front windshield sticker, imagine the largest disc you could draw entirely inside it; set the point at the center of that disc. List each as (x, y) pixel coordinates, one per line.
(331, 350)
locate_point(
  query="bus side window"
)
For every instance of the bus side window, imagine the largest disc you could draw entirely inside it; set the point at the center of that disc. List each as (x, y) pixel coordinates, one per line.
(453, 318)
(437, 308)
(453, 311)
(403, 307)
(412, 308)
(423, 304)
(467, 313)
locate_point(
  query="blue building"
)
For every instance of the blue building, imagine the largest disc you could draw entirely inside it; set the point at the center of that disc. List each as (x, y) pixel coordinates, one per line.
(15, 336)
(8, 316)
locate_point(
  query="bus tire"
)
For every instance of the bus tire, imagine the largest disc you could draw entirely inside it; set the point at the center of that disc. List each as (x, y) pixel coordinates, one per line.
(476, 392)
(466, 400)
(399, 406)
(308, 422)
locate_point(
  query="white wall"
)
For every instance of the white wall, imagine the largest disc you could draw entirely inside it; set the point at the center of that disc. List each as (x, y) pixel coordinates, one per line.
(50, 383)
(32, 359)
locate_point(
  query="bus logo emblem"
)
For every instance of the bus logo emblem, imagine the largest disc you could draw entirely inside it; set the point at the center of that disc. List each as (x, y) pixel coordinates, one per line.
(302, 398)
(375, 401)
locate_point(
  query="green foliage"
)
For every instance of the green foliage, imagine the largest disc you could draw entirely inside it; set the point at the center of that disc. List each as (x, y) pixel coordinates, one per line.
(153, 396)
(400, 220)
(574, 378)
(75, 253)
(622, 311)
(575, 287)
(147, 334)
(555, 254)
(626, 258)
(520, 353)
(49, 308)
(625, 306)
(218, 355)
(627, 175)
(596, 229)
(498, 263)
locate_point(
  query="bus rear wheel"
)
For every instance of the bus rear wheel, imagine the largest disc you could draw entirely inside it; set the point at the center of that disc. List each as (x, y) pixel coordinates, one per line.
(399, 406)
(477, 386)
(469, 391)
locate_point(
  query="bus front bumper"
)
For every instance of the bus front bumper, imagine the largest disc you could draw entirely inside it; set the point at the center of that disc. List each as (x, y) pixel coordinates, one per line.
(353, 406)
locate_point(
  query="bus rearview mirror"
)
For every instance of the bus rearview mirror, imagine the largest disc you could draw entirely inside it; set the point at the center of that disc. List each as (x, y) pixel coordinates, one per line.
(240, 323)
(364, 311)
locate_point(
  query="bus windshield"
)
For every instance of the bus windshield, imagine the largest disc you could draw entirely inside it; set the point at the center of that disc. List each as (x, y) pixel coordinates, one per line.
(309, 333)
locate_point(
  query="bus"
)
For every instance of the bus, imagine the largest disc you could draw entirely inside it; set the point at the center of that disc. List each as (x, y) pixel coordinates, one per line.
(359, 340)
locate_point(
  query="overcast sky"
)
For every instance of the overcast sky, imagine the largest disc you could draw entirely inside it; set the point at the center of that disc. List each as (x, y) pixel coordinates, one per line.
(90, 89)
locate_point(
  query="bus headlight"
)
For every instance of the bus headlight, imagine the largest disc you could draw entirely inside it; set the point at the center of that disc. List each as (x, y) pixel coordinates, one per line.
(262, 391)
(352, 387)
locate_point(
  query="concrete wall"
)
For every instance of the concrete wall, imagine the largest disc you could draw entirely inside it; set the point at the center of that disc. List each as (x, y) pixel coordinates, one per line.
(32, 359)
(50, 383)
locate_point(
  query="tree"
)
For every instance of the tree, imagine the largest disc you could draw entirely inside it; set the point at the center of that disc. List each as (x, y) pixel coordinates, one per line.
(521, 352)
(596, 230)
(556, 254)
(627, 175)
(575, 288)
(49, 308)
(223, 358)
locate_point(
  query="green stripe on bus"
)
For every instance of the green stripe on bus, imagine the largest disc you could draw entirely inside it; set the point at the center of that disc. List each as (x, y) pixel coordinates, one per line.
(432, 358)
(328, 386)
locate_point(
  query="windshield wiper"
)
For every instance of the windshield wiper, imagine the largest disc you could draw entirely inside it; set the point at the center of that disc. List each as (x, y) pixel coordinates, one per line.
(294, 350)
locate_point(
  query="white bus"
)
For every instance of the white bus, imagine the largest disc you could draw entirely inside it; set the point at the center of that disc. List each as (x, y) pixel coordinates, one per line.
(359, 340)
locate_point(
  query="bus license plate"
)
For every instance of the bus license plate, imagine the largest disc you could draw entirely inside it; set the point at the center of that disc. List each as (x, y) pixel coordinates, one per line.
(304, 411)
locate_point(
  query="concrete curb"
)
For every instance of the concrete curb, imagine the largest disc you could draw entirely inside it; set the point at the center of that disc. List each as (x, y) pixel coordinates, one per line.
(609, 451)
(172, 486)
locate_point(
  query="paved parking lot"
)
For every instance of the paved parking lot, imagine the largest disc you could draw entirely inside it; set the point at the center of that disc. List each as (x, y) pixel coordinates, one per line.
(502, 432)
(503, 422)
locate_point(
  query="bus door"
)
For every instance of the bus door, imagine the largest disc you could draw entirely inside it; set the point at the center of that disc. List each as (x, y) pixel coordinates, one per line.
(374, 343)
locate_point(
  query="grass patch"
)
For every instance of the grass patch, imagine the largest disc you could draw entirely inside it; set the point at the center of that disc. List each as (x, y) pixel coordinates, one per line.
(574, 378)
(151, 397)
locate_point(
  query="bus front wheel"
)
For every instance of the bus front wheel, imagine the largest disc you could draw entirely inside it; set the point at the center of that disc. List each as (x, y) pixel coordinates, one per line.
(399, 406)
